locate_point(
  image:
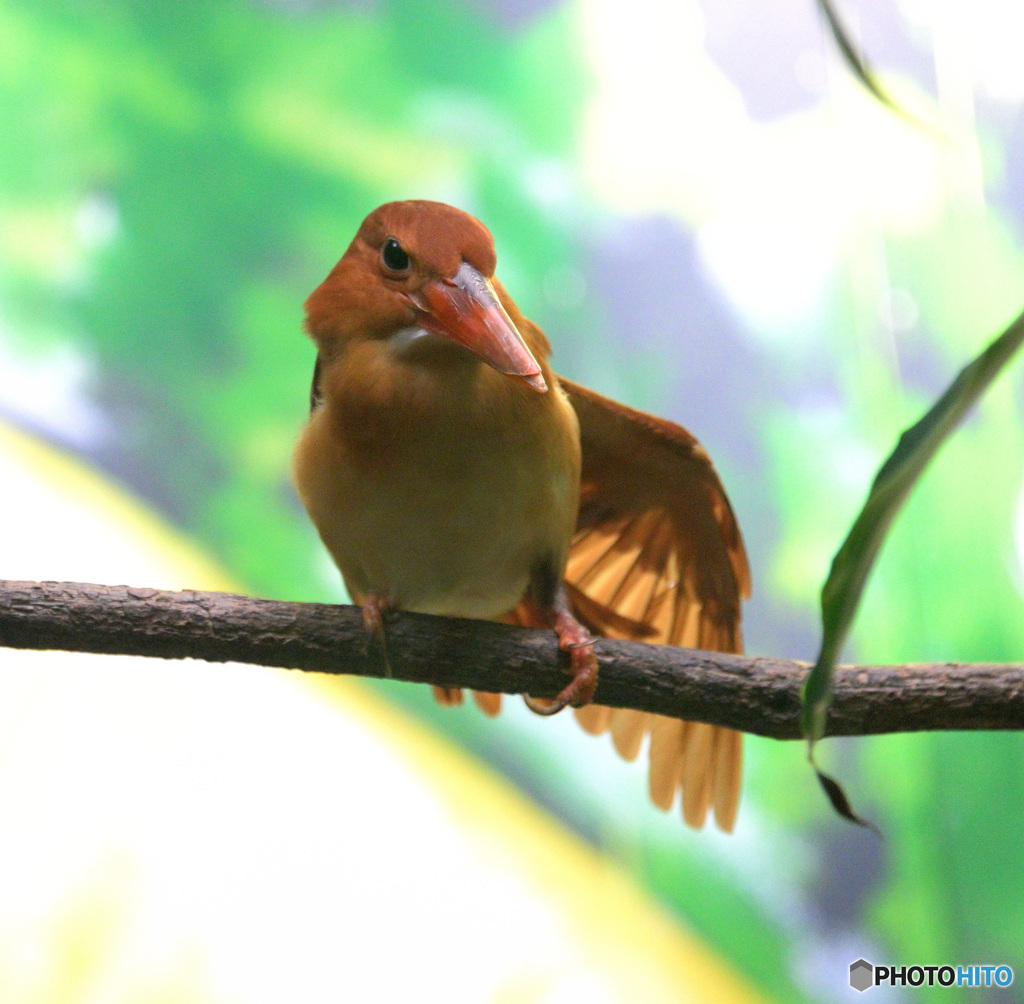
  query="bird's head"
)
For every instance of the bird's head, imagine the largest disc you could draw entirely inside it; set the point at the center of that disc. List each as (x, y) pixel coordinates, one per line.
(421, 268)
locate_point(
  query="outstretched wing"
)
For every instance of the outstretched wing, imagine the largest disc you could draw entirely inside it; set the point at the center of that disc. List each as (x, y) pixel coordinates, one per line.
(657, 557)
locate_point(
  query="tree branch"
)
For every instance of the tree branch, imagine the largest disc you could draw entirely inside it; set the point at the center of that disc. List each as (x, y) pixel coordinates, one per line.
(743, 692)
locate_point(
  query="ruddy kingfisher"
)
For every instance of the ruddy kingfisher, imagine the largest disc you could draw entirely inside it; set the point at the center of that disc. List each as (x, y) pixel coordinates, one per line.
(449, 471)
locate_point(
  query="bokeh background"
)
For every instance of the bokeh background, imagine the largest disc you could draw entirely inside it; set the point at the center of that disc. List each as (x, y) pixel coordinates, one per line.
(713, 222)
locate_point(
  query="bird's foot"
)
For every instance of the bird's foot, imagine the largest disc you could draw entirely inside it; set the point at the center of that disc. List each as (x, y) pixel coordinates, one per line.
(573, 638)
(374, 607)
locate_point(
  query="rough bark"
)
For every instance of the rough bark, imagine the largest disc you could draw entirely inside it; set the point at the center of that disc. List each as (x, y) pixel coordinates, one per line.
(750, 693)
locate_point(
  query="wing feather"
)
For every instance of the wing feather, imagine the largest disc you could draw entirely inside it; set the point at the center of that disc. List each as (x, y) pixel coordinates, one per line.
(658, 557)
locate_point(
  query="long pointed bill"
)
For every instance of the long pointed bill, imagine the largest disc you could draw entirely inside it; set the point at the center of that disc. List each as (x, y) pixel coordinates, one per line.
(467, 311)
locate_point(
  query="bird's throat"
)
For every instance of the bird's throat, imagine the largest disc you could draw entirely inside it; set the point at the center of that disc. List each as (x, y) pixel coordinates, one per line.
(417, 345)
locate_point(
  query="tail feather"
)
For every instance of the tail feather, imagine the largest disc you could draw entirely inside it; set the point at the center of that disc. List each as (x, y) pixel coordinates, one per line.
(450, 697)
(728, 775)
(594, 718)
(698, 761)
(489, 704)
(628, 730)
(666, 771)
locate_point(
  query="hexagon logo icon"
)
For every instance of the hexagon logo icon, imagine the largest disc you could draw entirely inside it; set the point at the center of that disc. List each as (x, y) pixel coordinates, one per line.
(861, 974)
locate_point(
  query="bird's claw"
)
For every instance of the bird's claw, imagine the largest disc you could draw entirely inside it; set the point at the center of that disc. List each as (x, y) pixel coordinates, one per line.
(573, 638)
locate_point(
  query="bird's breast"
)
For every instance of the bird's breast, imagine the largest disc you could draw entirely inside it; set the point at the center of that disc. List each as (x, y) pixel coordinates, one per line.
(443, 495)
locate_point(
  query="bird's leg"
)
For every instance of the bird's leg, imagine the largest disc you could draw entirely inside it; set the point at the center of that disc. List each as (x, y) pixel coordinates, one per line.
(375, 605)
(575, 639)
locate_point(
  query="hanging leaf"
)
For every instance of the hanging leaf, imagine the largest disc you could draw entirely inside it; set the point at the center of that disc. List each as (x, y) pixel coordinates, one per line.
(856, 61)
(857, 64)
(852, 564)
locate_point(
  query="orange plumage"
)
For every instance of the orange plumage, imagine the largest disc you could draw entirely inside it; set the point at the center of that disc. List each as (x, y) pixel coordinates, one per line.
(449, 471)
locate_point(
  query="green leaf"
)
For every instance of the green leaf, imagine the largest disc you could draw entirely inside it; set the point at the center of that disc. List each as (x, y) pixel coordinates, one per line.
(852, 564)
(857, 64)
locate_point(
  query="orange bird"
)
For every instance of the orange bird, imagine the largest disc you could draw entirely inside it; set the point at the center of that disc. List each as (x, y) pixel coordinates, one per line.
(449, 471)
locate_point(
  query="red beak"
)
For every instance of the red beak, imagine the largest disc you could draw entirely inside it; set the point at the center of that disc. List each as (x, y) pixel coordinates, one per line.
(467, 311)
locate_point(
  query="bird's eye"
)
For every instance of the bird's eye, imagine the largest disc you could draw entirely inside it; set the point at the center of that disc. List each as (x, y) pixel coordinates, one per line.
(393, 256)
